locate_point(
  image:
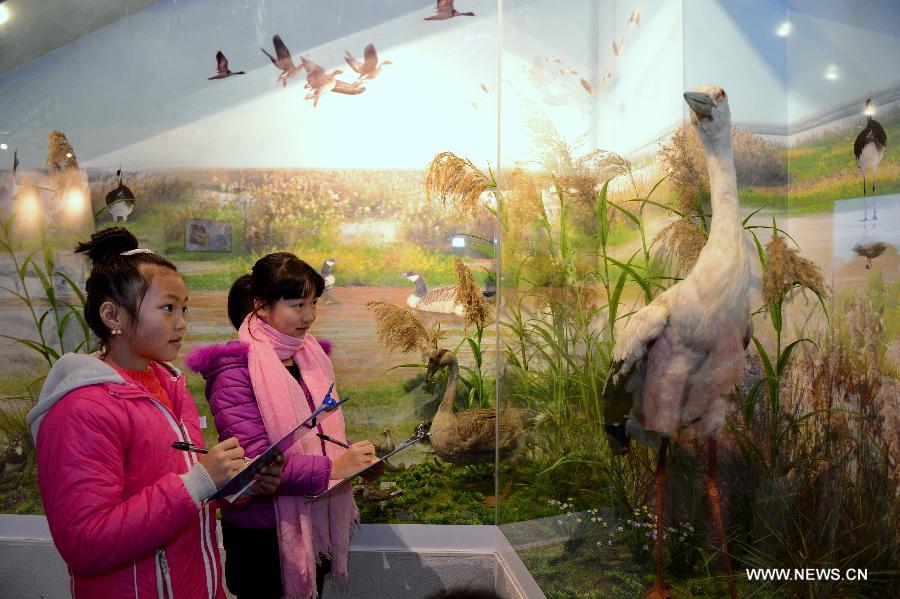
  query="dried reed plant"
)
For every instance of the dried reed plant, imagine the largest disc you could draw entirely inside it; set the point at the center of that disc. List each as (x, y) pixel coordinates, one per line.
(457, 180)
(469, 294)
(785, 267)
(683, 240)
(399, 328)
(60, 154)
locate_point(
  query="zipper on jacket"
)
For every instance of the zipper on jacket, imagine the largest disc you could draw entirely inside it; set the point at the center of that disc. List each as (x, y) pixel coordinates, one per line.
(163, 578)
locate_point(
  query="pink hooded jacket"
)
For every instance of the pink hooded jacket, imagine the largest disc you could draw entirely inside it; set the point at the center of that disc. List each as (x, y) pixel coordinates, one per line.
(126, 511)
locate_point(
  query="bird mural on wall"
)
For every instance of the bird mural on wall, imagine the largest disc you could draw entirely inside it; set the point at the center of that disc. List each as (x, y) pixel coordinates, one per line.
(321, 82)
(869, 150)
(445, 10)
(120, 201)
(222, 70)
(283, 61)
(369, 69)
(328, 277)
(442, 300)
(870, 251)
(677, 360)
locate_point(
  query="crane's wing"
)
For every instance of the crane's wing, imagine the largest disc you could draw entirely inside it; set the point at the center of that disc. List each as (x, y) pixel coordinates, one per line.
(632, 343)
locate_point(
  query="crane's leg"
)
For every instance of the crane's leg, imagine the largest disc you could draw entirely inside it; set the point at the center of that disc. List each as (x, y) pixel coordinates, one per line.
(712, 489)
(874, 197)
(660, 590)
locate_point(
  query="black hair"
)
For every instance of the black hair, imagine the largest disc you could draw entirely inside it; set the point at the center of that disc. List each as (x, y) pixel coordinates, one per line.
(114, 277)
(281, 275)
(464, 593)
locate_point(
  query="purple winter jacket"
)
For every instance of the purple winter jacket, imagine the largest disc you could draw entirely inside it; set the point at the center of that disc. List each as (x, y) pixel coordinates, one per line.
(233, 405)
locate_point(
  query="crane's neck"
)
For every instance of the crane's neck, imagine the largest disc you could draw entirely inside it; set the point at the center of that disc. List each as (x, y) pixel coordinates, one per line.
(726, 212)
(450, 392)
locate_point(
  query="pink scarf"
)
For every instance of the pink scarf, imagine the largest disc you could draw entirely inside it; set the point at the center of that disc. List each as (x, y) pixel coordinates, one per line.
(305, 529)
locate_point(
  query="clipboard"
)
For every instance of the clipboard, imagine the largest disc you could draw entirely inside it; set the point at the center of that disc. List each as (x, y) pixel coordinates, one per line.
(420, 434)
(241, 481)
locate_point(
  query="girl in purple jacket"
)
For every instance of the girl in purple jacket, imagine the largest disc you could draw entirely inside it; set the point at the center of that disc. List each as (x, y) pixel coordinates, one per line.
(259, 388)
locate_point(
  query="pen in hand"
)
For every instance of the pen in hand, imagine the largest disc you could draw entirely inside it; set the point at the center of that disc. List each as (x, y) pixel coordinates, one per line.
(325, 437)
(181, 445)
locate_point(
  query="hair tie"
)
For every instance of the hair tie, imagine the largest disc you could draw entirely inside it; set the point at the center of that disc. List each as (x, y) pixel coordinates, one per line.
(137, 251)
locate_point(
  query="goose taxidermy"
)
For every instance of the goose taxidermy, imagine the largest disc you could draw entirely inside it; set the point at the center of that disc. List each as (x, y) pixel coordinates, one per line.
(444, 10)
(870, 251)
(120, 201)
(222, 70)
(321, 82)
(283, 61)
(440, 299)
(869, 150)
(328, 276)
(469, 436)
(369, 69)
(677, 360)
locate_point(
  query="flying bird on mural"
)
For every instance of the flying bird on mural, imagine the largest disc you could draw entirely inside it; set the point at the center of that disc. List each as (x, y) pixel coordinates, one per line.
(369, 69)
(445, 10)
(222, 68)
(321, 82)
(283, 61)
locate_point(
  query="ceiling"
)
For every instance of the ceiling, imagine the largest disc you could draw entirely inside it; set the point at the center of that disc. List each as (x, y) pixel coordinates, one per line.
(37, 27)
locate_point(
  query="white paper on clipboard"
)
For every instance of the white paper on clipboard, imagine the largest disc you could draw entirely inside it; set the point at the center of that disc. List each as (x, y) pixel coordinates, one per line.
(420, 434)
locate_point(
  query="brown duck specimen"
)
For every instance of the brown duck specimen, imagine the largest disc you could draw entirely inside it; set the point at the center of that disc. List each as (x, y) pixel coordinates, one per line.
(387, 445)
(469, 436)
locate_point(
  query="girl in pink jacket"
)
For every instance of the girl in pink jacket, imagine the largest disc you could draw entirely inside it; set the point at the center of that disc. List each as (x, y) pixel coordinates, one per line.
(129, 513)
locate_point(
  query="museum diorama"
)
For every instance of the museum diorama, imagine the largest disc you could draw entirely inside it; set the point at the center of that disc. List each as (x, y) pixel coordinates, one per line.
(615, 279)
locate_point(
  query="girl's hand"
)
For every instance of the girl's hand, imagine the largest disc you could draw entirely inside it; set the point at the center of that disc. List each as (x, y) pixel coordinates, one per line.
(267, 481)
(374, 472)
(359, 455)
(223, 461)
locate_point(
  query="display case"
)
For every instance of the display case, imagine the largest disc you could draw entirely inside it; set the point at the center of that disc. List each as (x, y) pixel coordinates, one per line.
(518, 183)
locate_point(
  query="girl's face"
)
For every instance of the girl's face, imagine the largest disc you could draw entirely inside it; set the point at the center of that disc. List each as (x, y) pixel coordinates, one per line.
(161, 321)
(291, 316)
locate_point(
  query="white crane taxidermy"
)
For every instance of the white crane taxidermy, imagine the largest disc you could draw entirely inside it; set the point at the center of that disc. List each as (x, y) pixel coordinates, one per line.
(677, 360)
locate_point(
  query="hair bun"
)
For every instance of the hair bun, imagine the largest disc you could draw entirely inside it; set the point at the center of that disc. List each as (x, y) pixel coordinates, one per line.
(108, 244)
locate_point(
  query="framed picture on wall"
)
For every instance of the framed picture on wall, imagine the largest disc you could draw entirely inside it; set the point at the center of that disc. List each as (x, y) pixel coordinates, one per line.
(207, 236)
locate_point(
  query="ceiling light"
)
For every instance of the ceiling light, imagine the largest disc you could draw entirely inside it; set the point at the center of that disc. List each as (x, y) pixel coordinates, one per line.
(4, 14)
(832, 73)
(4, 147)
(784, 29)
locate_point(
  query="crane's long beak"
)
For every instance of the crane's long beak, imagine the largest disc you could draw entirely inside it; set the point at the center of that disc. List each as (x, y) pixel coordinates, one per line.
(700, 103)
